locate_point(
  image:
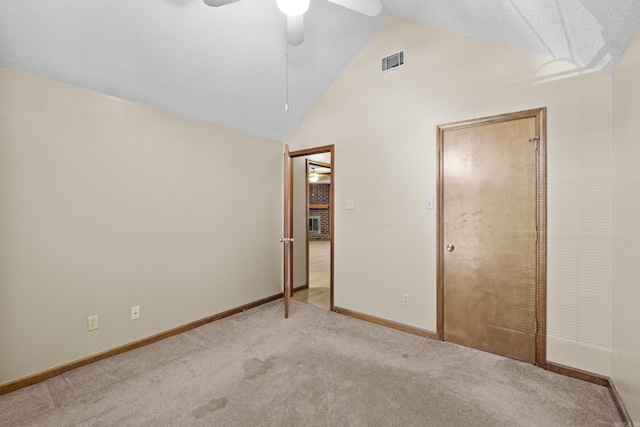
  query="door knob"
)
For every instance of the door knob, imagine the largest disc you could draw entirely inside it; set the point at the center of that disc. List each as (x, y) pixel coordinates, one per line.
(450, 247)
(286, 239)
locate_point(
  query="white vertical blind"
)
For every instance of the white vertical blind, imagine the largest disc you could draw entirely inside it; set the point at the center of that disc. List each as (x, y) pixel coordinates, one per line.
(580, 222)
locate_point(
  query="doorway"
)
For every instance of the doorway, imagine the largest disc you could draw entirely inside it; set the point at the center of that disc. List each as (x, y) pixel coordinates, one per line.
(312, 178)
(317, 208)
(491, 223)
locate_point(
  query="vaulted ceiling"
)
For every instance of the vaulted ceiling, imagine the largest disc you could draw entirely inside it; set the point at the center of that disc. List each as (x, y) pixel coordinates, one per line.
(227, 65)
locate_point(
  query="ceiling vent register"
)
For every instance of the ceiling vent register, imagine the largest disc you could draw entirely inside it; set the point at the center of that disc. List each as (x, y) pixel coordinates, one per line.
(392, 61)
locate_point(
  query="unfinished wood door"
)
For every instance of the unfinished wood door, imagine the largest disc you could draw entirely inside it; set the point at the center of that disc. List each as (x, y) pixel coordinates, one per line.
(488, 220)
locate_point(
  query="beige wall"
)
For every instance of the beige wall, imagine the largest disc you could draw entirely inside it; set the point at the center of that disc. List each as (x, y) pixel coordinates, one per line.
(106, 204)
(626, 225)
(384, 129)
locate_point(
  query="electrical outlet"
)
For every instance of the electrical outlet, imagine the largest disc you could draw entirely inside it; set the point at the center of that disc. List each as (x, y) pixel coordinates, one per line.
(135, 312)
(405, 299)
(92, 322)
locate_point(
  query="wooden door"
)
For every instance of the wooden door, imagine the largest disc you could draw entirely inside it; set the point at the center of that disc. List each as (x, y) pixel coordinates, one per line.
(488, 232)
(287, 239)
(288, 219)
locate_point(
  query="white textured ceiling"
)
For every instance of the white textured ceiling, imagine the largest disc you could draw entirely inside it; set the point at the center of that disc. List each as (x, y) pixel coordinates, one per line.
(227, 65)
(591, 33)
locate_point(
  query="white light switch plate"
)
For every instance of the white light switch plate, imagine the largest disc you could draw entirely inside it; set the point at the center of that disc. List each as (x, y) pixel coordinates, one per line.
(430, 203)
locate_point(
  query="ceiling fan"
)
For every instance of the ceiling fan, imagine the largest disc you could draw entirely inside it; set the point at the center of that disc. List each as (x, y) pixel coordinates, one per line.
(295, 9)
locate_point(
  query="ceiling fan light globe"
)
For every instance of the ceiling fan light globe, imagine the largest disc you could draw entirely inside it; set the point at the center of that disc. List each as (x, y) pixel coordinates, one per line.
(293, 7)
(313, 175)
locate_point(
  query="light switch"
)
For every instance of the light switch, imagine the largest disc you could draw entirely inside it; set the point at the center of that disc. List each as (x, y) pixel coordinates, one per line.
(348, 204)
(430, 203)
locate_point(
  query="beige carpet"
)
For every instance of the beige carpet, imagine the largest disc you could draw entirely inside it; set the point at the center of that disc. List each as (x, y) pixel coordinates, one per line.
(317, 368)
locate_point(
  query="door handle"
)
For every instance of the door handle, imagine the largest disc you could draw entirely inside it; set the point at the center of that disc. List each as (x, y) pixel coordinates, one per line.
(450, 247)
(286, 239)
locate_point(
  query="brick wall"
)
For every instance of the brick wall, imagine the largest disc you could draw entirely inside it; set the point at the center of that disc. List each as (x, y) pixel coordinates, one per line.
(319, 195)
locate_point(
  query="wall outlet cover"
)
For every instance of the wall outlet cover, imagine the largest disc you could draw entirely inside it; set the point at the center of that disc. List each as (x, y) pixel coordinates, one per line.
(92, 322)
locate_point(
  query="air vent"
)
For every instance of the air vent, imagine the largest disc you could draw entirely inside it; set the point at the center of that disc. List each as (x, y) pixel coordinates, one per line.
(393, 61)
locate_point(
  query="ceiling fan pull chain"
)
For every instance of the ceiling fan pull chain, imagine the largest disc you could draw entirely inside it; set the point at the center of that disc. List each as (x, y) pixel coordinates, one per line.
(286, 77)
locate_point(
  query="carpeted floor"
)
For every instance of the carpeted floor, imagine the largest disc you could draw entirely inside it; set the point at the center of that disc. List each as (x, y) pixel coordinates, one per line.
(317, 368)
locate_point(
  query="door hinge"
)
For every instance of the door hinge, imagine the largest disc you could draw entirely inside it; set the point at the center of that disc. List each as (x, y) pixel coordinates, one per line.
(535, 139)
(536, 326)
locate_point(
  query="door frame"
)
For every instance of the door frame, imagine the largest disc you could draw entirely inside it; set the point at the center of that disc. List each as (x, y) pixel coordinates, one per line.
(289, 193)
(325, 165)
(540, 115)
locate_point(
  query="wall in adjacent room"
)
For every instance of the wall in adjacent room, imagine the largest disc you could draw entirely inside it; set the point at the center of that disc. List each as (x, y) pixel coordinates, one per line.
(106, 204)
(319, 194)
(299, 165)
(386, 246)
(625, 368)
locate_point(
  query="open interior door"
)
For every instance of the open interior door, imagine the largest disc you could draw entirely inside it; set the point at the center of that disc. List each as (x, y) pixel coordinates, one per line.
(287, 239)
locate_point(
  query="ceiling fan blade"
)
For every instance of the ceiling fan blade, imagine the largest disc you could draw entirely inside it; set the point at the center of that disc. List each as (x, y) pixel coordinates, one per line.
(295, 30)
(217, 3)
(366, 7)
